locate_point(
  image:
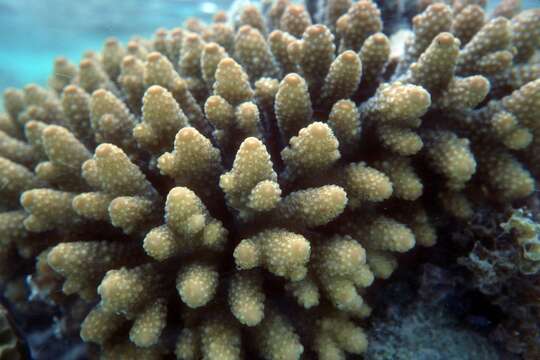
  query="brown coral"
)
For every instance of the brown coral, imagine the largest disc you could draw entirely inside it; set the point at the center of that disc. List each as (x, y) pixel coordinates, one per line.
(270, 170)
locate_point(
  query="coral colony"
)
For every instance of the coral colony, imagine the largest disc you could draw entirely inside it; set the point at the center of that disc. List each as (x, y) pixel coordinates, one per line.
(231, 190)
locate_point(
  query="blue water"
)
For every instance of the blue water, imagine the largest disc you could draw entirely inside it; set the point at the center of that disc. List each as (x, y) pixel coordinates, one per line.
(34, 32)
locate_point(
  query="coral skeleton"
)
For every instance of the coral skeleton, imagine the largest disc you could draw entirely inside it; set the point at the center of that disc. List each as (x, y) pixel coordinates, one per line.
(238, 186)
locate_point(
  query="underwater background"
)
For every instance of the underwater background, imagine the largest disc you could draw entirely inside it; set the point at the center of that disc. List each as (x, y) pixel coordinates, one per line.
(455, 300)
(34, 32)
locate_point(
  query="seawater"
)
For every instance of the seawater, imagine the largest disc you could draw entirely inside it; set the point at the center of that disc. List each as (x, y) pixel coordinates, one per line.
(34, 32)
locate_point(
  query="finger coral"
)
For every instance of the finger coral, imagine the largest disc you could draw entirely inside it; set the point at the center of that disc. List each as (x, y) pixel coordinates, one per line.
(238, 186)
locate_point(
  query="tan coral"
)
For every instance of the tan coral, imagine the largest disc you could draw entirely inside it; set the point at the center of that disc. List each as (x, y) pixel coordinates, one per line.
(315, 149)
(191, 183)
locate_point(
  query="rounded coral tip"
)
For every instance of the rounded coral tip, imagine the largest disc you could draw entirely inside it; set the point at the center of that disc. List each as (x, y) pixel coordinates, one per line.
(245, 29)
(187, 133)
(437, 7)
(338, 196)
(132, 45)
(349, 56)
(211, 48)
(342, 22)
(357, 255)
(251, 143)
(246, 256)
(220, 16)
(315, 30)
(192, 293)
(445, 39)
(153, 56)
(227, 62)
(160, 32)
(213, 101)
(32, 125)
(52, 130)
(292, 79)
(27, 198)
(318, 129)
(379, 39)
(275, 35)
(85, 63)
(70, 89)
(191, 38)
(419, 96)
(295, 10)
(111, 41)
(60, 60)
(344, 106)
(99, 93)
(299, 247)
(479, 84)
(104, 150)
(128, 61)
(155, 90)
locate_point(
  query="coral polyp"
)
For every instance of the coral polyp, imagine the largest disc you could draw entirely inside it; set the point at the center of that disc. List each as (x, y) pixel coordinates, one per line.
(232, 190)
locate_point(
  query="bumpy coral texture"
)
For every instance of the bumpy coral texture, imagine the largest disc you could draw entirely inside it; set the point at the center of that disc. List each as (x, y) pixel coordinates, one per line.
(239, 185)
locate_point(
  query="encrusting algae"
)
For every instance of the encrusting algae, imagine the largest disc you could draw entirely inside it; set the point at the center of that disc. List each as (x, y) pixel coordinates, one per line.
(238, 186)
